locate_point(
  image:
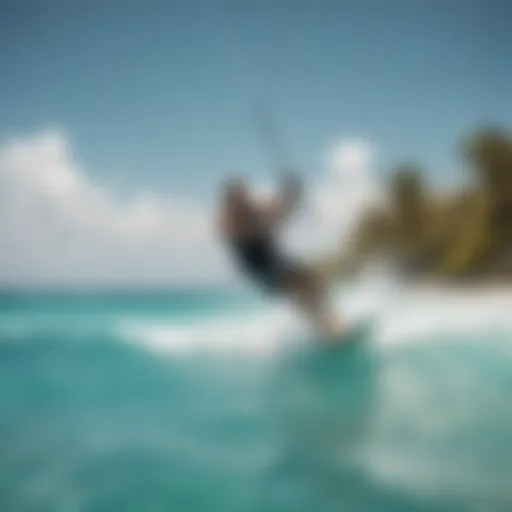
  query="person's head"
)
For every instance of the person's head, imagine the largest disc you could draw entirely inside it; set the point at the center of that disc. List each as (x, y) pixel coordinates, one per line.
(236, 194)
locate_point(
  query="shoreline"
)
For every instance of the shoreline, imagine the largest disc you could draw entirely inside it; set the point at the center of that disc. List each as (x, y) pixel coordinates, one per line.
(495, 287)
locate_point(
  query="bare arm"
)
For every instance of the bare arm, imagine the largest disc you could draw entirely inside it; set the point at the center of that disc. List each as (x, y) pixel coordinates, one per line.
(290, 195)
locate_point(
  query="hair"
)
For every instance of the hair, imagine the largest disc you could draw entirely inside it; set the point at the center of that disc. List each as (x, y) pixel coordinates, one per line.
(235, 180)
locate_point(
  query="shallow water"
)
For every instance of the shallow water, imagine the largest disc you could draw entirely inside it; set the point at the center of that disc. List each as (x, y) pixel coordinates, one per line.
(211, 401)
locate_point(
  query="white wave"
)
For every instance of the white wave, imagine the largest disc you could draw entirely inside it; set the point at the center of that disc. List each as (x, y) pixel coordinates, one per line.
(259, 332)
(423, 313)
(399, 315)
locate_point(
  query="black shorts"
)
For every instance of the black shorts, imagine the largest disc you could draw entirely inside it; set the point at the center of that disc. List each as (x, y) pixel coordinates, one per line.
(277, 277)
(264, 263)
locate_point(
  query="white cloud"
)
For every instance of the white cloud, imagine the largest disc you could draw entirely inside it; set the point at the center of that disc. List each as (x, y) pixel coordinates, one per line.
(335, 203)
(56, 225)
(350, 160)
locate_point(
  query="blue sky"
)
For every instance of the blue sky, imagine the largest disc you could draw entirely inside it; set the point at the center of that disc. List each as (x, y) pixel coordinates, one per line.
(163, 93)
(163, 96)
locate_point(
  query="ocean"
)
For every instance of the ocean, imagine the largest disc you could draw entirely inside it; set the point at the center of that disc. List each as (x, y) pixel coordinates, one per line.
(216, 400)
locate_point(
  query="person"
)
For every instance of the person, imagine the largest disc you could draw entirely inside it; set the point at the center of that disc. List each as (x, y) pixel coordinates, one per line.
(250, 229)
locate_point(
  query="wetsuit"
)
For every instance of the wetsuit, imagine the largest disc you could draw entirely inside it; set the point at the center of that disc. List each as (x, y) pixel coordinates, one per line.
(259, 256)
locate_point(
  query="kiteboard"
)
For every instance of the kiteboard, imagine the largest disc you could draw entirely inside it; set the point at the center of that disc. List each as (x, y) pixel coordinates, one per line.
(352, 334)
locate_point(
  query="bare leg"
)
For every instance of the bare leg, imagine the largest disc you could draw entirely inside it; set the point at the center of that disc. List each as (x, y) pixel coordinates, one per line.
(308, 295)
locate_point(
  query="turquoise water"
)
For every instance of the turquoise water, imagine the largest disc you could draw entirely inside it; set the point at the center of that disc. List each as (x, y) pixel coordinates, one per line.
(201, 401)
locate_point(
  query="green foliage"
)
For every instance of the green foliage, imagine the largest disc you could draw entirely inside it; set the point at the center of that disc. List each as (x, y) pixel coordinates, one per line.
(467, 233)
